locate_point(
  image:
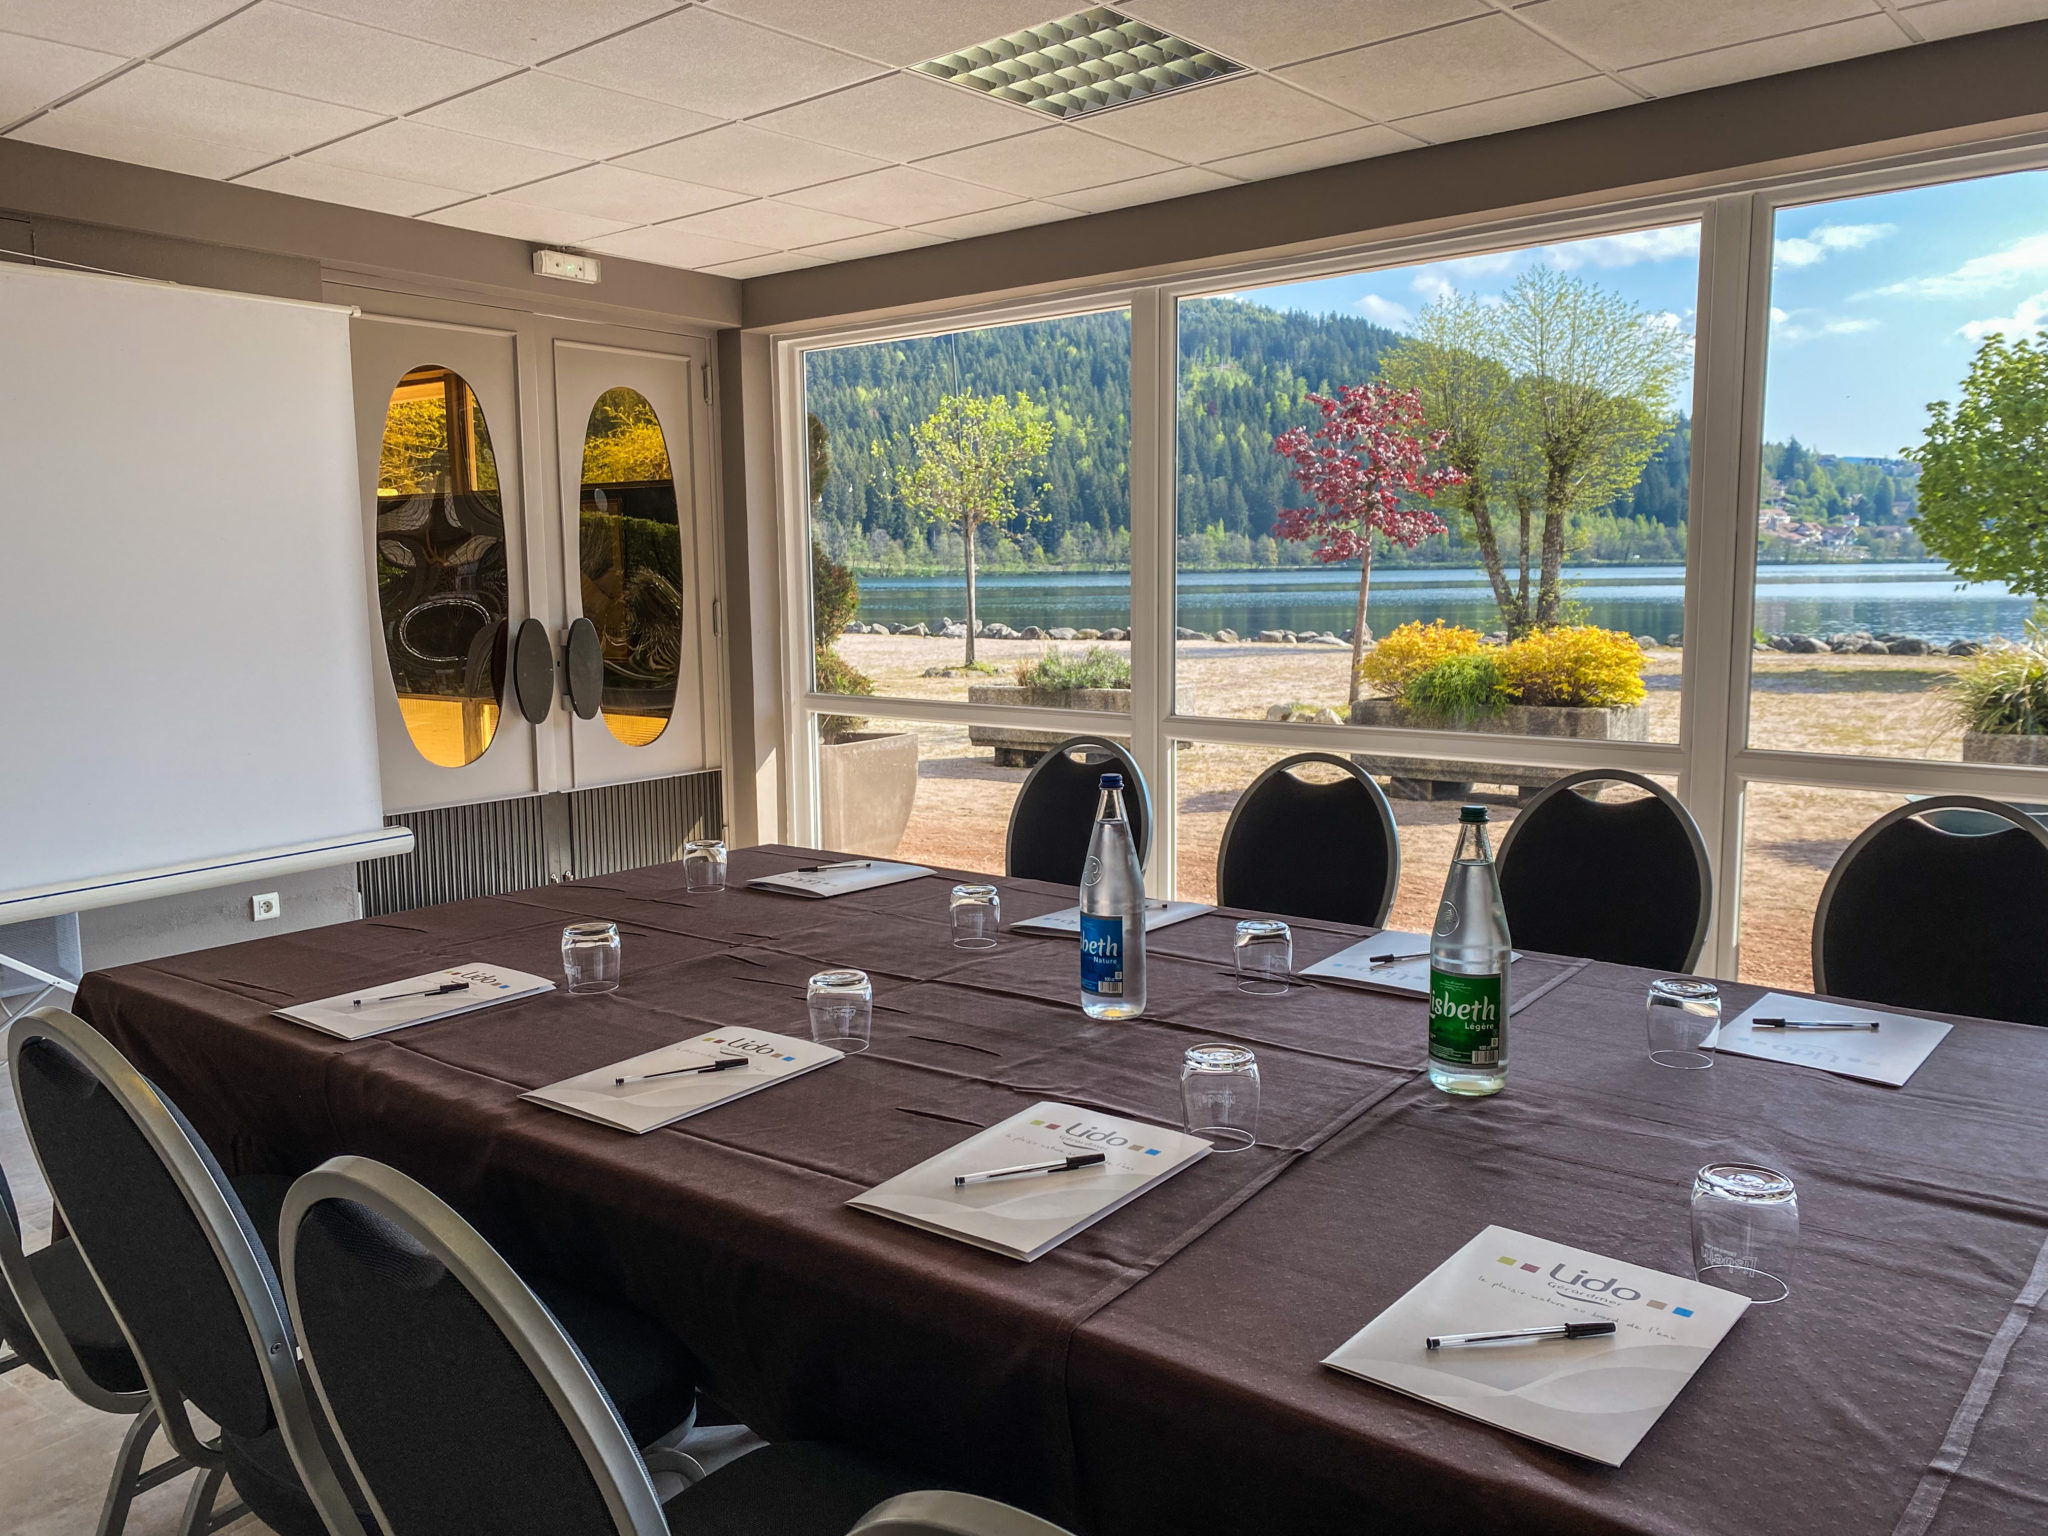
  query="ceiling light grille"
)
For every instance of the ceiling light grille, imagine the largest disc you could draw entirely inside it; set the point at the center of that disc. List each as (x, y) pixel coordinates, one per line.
(1081, 63)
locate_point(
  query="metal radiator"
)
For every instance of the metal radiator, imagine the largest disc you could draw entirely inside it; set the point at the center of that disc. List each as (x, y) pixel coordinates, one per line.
(462, 851)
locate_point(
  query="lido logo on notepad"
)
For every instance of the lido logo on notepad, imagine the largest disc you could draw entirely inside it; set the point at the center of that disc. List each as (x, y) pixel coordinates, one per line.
(751, 1047)
(1095, 1135)
(1609, 1287)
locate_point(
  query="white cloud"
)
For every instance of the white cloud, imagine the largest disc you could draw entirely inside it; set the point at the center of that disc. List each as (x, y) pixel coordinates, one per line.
(1432, 285)
(1979, 274)
(1626, 250)
(1491, 264)
(1818, 244)
(1385, 311)
(1806, 324)
(2030, 315)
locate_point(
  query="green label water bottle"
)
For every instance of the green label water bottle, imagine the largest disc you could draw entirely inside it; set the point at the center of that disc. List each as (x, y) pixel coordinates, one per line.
(1469, 955)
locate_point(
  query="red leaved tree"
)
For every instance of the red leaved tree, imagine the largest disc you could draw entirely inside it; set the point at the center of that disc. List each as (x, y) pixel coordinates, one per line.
(1368, 472)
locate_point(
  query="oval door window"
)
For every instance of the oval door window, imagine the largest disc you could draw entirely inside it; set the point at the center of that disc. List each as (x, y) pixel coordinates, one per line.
(632, 560)
(441, 576)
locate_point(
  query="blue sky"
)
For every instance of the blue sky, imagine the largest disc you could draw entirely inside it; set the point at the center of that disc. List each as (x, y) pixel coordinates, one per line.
(1878, 303)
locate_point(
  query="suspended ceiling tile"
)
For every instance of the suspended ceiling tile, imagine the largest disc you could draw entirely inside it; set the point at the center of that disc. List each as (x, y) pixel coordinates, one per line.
(1146, 189)
(1449, 67)
(903, 117)
(353, 189)
(1952, 18)
(1748, 61)
(614, 192)
(1553, 103)
(667, 246)
(1312, 154)
(518, 31)
(331, 60)
(416, 151)
(113, 140)
(127, 27)
(154, 99)
(884, 244)
(35, 72)
(1050, 162)
(744, 158)
(900, 195)
(1234, 115)
(1616, 34)
(711, 63)
(901, 32)
(998, 220)
(776, 225)
(544, 111)
(1269, 33)
(526, 221)
(764, 266)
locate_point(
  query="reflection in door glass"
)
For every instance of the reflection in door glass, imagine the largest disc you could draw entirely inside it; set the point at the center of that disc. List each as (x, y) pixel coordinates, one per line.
(441, 575)
(631, 555)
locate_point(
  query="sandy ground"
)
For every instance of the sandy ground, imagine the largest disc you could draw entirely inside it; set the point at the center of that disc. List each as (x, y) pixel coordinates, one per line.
(1860, 705)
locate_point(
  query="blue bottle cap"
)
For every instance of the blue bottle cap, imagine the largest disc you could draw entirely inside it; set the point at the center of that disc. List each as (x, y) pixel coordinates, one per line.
(1112, 781)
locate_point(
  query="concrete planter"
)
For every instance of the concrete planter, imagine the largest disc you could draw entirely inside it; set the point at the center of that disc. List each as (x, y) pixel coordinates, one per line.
(1435, 778)
(2027, 751)
(1017, 747)
(867, 785)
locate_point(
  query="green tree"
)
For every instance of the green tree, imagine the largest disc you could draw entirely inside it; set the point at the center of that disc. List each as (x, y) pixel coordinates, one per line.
(1984, 469)
(975, 455)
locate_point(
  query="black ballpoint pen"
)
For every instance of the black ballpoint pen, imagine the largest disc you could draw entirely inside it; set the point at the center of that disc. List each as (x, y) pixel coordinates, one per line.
(723, 1064)
(453, 986)
(1586, 1330)
(1815, 1023)
(1027, 1170)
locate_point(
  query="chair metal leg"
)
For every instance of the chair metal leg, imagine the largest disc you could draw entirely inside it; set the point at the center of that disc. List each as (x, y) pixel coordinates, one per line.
(130, 1478)
(198, 1516)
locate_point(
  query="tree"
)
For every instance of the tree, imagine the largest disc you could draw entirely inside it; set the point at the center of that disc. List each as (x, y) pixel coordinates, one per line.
(973, 457)
(1984, 469)
(1367, 472)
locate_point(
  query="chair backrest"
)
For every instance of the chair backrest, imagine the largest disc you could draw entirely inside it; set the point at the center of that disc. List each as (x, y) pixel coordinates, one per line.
(461, 1405)
(29, 1324)
(1055, 810)
(937, 1513)
(1626, 881)
(1326, 851)
(1947, 913)
(170, 1246)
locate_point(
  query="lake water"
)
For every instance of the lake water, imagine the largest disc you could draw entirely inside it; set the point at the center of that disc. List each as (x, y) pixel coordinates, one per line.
(1909, 598)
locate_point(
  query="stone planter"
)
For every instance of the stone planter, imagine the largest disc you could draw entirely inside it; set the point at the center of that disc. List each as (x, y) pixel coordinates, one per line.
(1435, 778)
(2027, 751)
(1017, 747)
(867, 784)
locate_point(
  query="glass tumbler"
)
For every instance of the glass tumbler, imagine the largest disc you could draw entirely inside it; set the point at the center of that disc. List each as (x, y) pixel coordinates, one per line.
(977, 916)
(1265, 957)
(704, 865)
(1682, 1013)
(1745, 1230)
(590, 956)
(1219, 1095)
(842, 1010)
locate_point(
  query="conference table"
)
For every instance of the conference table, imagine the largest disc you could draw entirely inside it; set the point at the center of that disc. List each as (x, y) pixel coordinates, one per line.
(1158, 1373)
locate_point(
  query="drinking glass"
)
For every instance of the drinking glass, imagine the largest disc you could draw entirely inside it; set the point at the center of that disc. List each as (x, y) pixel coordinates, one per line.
(704, 865)
(1219, 1095)
(1745, 1229)
(1682, 1013)
(977, 916)
(842, 1009)
(590, 956)
(1265, 957)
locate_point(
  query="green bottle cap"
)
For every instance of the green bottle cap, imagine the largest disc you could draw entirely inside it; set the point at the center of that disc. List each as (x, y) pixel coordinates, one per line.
(1472, 813)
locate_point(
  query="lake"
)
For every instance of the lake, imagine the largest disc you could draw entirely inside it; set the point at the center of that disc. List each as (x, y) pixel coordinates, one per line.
(1909, 598)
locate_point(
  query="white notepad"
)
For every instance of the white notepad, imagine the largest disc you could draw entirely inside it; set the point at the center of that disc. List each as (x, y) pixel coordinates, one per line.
(1406, 978)
(852, 875)
(645, 1106)
(1594, 1397)
(1067, 921)
(1025, 1217)
(1889, 1055)
(365, 1012)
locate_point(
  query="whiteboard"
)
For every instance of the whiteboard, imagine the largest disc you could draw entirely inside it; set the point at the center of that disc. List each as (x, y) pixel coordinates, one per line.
(186, 688)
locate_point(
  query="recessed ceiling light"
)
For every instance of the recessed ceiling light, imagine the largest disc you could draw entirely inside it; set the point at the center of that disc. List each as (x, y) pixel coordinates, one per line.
(1081, 63)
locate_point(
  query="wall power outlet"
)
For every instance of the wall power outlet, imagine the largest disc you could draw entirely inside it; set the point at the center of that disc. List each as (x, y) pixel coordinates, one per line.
(263, 908)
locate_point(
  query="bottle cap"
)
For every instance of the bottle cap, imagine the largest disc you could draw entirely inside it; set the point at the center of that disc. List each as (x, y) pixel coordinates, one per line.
(1472, 813)
(1112, 781)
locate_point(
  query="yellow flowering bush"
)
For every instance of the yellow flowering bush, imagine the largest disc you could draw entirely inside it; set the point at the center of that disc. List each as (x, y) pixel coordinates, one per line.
(1575, 665)
(1408, 652)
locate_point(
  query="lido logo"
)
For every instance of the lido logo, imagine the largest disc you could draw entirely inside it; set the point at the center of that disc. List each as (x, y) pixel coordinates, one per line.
(1080, 1130)
(1606, 1287)
(751, 1047)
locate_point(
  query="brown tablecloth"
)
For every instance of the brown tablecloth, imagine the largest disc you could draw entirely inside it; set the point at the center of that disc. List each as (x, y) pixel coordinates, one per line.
(1158, 1373)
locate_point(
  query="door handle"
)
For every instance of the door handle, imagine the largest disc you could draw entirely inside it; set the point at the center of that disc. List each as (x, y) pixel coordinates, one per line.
(533, 671)
(584, 659)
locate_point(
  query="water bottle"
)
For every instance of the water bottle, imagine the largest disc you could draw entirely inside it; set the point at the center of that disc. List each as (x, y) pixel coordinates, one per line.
(1468, 970)
(1112, 913)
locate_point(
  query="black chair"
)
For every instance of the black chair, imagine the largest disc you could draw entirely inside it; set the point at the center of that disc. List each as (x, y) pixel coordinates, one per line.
(1626, 881)
(1055, 810)
(465, 1410)
(1940, 905)
(1326, 851)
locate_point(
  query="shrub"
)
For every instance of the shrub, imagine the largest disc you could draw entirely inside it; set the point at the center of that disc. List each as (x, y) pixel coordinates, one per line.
(1095, 669)
(1458, 687)
(1413, 649)
(2004, 692)
(836, 675)
(1576, 666)
(835, 596)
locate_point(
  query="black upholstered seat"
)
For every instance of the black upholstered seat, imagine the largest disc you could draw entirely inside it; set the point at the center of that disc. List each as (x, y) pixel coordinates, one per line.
(67, 1285)
(1940, 905)
(1315, 850)
(1625, 880)
(1055, 810)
